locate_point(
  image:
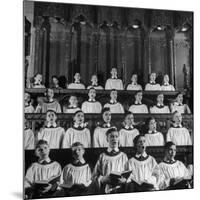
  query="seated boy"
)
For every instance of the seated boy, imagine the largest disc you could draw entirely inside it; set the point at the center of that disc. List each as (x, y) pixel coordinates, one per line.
(72, 107)
(28, 108)
(112, 160)
(114, 82)
(134, 85)
(99, 136)
(29, 138)
(77, 83)
(50, 103)
(159, 107)
(138, 106)
(152, 85)
(166, 86)
(91, 106)
(178, 134)
(52, 133)
(38, 81)
(42, 171)
(76, 176)
(94, 83)
(115, 107)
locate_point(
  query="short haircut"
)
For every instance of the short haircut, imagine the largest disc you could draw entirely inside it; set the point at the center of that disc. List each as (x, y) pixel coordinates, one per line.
(50, 110)
(135, 140)
(54, 76)
(113, 90)
(76, 144)
(106, 109)
(41, 142)
(168, 145)
(128, 113)
(179, 94)
(148, 120)
(138, 91)
(92, 88)
(109, 131)
(78, 111)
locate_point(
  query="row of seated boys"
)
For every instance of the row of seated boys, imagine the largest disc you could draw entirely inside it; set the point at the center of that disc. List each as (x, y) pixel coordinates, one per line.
(112, 83)
(94, 106)
(58, 138)
(113, 172)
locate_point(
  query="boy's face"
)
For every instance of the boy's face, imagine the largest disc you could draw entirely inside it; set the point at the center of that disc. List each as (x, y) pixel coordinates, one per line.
(113, 95)
(166, 78)
(160, 98)
(113, 72)
(153, 77)
(177, 117)
(94, 79)
(73, 100)
(179, 98)
(134, 78)
(141, 145)
(77, 77)
(78, 152)
(113, 139)
(79, 118)
(129, 120)
(138, 96)
(42, 151)
(51, 117)
(92, 94)
(50, 93)
(27, 97)
(55, 81)
(152, 125)
(171, 152)
(38, 78)
(107, 116)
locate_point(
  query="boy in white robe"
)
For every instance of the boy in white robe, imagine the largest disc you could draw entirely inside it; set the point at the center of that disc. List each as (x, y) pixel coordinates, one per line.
(94, 83)
(115, 107)
(49, 104)
(153, 137)
(159, 107)
(28, 108)
(43, 170)
(174, 173)
(77, 133)
(152, 85)
(76, 177)
(134, 85)
(99, 136)
(179, 106)
(145, 170)
(55, 82)
(77, 83)
(178, 134)
(138, 106)
(38, 81)
(73, 105)
(91, 106)
(114, 82)
(112, 160)
(128, 132)
(52, 133)
(29, 138)
(166, 86)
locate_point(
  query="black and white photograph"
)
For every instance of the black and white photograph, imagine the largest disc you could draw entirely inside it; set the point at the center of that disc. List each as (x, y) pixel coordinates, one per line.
(108, 99)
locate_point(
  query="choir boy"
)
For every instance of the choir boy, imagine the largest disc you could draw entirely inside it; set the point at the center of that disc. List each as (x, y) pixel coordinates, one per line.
(91, 106)
(128, 132)
(152, 85)
(28, 108)
(178, 134)
(138, 106)
(94, 83)
(134, 85)
(77, 83)
(114, 105)
(166, 85)
(114, 82)
(78, 132)
(72, 107)
(38, 81)
(52, 133)
(40, 172)
(112, 160)
(153, 137)
(99, 136)
(29, 138)
(159, 107)
(55, 82)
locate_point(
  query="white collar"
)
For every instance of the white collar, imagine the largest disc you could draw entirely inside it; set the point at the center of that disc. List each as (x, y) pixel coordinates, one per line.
(48, 160)
(138, 102)
(111, 101)
(134, 83)
(114, 77)
(166, 84)
(128, 127)
(94, 84)
(82, 161)
(138, 155)
(158, 104)
(77, 125)
(72, 106)
(108, 125)
(116, 149)
(152, 132)
(152, 82)
(91, 100)
(49, 125)
(177, 125)
(178, 104)
(77, 82)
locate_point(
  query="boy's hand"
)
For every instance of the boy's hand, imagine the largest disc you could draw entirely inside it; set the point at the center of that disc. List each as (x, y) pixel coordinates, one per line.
(122, 180)
(172, 181)
(46, 189)
(106, 179)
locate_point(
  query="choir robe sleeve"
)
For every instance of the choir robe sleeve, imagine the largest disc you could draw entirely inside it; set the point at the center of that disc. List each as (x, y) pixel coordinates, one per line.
(121, 85)
(96, 142)
(187, 109)
(29, 139)
(66, 143)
